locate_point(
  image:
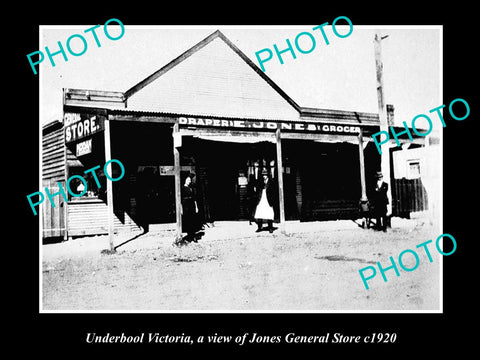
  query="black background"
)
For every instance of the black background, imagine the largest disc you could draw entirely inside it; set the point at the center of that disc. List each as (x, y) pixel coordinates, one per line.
(63, 335)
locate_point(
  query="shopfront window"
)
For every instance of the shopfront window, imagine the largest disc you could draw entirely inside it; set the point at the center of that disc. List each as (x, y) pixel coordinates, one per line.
(77, 186)
(413, 169)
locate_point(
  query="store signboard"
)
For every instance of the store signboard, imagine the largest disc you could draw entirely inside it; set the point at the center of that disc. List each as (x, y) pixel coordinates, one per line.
(265, 125)
(168, 170)
(79, 126)
(84, 147)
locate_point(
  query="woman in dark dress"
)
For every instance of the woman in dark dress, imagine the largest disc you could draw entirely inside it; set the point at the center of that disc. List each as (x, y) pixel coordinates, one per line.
(190, 221)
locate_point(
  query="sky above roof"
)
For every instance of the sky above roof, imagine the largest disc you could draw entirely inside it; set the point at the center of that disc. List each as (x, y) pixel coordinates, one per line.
(339, 76)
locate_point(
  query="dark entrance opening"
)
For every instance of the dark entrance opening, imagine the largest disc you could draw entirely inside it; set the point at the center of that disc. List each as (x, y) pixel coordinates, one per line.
(226, 173)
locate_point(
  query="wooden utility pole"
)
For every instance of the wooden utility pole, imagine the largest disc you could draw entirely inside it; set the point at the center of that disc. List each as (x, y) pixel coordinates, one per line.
(178, 184)
(108, 157)
(382, 113)
(280, 180)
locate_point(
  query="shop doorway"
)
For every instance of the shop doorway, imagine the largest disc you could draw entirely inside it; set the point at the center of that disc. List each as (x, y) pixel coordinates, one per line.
(227, 174)
(223, 192)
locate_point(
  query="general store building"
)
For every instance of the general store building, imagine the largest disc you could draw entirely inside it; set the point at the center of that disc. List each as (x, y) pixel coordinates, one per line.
(213, 112)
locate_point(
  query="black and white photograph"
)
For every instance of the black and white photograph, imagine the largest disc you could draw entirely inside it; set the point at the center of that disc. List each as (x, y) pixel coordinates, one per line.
(206, 169)
(301, 183)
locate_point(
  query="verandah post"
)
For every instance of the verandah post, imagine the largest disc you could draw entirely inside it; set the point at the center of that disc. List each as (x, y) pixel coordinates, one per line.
(178, 185)
(108, 157)
(361, 157)
(280, 179)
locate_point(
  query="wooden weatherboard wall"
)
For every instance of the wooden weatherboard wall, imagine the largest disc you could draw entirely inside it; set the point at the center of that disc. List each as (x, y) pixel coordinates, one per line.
(90, 217)
(79, 216)
(53, 172)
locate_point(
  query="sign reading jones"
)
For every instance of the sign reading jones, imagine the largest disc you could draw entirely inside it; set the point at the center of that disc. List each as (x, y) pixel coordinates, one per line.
(79, 126)
(270, 125)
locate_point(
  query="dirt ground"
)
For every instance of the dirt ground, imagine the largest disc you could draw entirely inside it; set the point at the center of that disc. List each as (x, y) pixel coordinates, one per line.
(315, 267)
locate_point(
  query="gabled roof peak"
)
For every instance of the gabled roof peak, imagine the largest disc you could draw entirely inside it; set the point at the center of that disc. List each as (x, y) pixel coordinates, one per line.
(186, 54)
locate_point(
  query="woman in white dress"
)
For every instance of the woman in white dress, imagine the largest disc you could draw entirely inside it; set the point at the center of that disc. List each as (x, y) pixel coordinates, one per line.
(264, 210)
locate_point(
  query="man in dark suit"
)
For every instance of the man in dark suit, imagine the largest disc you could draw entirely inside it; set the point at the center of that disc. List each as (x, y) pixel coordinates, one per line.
(380, 201)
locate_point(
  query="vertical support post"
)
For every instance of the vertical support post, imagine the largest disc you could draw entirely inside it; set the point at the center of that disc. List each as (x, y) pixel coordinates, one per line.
(280, 180)
(382, 113)
(65, 176)
(65, 169)
(108, 157)
(65, 203)
(178, 184)
(362, 167)
(363, 197)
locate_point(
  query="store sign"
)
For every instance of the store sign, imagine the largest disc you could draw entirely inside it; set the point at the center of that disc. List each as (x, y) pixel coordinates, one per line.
(79, 126)
(84, 147)
(269, 125)
(168, 170)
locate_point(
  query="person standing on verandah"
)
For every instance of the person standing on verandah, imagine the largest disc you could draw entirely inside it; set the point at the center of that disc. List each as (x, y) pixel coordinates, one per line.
(266, 195)
(190, 215)
(380, 202)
